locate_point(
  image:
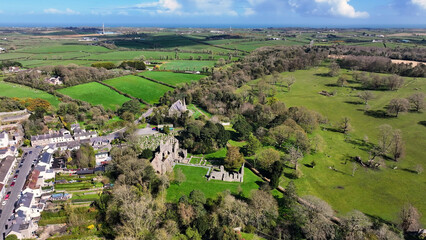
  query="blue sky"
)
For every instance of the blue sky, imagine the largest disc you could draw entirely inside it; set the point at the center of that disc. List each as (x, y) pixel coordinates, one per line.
(315, 13)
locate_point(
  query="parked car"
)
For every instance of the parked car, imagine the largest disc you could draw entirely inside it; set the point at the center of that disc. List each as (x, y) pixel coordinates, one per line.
(15, 177)
(13, 184)
(3, 203)
(17, 171)
(7, 197)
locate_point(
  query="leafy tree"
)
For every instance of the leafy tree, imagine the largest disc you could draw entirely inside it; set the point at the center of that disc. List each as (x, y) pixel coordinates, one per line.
(253, 144)
(267, 157)
(106, 65)
(179, 177)
(147, 154)
(243, 128)
(197, 197)
(132, 106)
(234, 159)
(134, 64)
(11, 237)
(398, 105)
(276, 172)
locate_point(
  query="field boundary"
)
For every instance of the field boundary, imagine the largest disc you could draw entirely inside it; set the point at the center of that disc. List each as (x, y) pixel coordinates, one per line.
(156, 81)
(124, 94)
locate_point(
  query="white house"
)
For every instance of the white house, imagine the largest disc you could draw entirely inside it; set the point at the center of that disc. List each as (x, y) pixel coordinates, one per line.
(55, 137)
(45, 160)
(102, 157)
(4, 140)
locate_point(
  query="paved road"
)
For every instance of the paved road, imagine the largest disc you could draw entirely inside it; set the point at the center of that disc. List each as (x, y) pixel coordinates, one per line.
(16, 190)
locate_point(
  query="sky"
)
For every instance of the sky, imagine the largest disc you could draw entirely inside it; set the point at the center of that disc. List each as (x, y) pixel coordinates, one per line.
(215, 13)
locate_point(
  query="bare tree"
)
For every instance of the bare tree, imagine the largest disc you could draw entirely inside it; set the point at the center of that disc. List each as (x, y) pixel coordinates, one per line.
(397, 148)
(342, 81)
(355, 225)
(419, 169)
(385, 138)
(334, 69)
(398, 105)
(293, 156)
(366, 96)
(345, 125)
(417, 100)
(354, 168)
(290, 80)
(409, 218)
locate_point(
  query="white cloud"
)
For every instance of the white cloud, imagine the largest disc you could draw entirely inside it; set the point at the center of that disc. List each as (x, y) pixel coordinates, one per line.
(343, 8)
(160, 6)
(57, 11)
(340, 8)
(420, 3)
(249, 11)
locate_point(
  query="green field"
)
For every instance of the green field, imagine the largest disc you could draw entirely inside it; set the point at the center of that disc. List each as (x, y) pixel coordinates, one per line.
(380, 193)
(195, 180)
(139, 87)
(187, 65)
(96, 94)
(19, 91)
(172, 78)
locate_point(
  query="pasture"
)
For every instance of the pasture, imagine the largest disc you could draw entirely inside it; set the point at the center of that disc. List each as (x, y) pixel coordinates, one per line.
(96, 94)
(195, 180)
(172, 78)
(138, 87)
(182, 65)
(379, 193)
(19, 91)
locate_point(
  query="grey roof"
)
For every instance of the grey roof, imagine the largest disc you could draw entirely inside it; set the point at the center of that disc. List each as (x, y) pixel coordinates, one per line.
(84, 133)
(26, 199)
(5, 165)
(41, 168)
(2, 135)
(46, 157)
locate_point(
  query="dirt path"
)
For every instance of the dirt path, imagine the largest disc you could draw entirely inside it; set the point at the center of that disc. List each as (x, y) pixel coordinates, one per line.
(50, 230)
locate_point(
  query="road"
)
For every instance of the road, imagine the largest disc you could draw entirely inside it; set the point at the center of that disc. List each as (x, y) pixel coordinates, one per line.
(16, 190)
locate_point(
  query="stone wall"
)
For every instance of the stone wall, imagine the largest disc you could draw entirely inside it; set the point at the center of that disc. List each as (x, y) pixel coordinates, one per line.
(223, 175)
(168, 154)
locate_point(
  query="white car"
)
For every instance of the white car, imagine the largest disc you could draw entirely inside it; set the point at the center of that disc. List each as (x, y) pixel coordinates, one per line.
(3, 203)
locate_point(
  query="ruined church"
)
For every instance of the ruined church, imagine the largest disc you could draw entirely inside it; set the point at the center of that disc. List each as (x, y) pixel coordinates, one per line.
(168, 155)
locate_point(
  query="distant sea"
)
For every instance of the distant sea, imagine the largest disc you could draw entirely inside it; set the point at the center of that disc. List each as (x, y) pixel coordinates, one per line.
(165, 25)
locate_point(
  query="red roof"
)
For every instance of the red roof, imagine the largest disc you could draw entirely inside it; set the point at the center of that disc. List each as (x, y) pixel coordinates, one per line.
(33, 179)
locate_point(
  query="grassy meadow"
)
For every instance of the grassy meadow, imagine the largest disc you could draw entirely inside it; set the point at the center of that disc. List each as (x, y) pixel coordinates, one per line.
(182, 65)
(172, 78)
(19, 91)
(138, 87)
(195, 179)
(96, 94)
(378, 193)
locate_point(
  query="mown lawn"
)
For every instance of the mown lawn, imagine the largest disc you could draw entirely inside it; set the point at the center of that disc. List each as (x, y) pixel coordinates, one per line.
(379, 193)
(172, 78)
(138, 87)
(19, 91)
(195, 179)
(96, 94)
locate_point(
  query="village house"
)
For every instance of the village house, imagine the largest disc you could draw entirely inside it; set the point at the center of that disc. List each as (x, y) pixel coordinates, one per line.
(45, 160)
(6, 167)
(54, 80)
(4, 140)
(53, 137)
(102, 158)
(23, 229)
